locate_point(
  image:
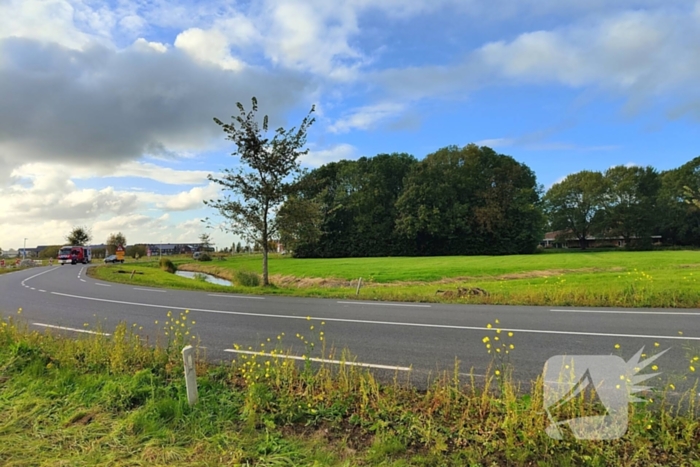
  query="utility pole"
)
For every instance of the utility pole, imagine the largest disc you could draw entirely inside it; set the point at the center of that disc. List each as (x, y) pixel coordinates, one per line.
(24, 251)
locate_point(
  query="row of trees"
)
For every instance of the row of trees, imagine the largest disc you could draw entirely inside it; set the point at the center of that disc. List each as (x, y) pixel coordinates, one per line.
(633, 203)
(471, 200)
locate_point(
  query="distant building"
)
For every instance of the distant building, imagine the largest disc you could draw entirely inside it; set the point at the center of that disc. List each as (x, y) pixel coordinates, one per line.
(563, 239)
(11, 253)
(167, 249)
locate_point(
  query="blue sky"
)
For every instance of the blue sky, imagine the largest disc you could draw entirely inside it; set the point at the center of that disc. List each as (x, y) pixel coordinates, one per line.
(106, 106)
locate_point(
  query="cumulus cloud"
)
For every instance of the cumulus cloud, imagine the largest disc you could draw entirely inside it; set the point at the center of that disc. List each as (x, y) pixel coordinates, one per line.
(640, 54)
(187, 200)
(101, 106)
(318, 157)
(367, 117)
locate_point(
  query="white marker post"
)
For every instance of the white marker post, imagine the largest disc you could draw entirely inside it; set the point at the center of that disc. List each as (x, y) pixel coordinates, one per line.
(190, 374)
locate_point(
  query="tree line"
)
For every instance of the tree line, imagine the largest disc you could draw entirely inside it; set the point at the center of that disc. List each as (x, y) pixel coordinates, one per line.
(472, 200)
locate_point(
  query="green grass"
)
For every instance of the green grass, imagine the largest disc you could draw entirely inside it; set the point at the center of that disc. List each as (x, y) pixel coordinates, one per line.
(121, 401)
(611, 278)
(383, 270)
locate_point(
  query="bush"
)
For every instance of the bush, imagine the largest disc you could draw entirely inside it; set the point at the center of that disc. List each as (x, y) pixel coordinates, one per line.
(204, 257)
(247, 278)
(167, 265)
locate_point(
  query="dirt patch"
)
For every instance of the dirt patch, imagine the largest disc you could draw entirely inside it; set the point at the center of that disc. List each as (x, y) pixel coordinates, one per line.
(304, 282)
(553, 272)
(81, 419)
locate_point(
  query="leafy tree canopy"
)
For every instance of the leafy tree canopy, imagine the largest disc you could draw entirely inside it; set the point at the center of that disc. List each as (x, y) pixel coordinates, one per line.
(80, 236)
(113, 241)
(254, 191)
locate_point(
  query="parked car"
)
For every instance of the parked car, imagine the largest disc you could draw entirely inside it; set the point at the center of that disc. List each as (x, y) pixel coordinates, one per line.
(112, 259)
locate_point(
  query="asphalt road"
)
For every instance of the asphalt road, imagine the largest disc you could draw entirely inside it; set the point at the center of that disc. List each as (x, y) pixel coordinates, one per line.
(427, 338)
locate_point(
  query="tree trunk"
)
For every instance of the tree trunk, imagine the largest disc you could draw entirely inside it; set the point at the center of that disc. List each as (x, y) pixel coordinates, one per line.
(266, 282)
(583, 242)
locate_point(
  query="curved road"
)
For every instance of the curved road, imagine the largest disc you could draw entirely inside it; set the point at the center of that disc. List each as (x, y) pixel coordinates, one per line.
(425, 337)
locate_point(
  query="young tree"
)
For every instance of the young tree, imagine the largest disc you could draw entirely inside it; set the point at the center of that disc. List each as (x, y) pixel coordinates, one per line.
(113, 241)
(239, 248)
(261, 184)
(205, 240)
(79, 236)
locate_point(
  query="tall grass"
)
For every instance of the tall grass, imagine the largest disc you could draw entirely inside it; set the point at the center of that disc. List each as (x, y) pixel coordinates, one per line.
(120, 400)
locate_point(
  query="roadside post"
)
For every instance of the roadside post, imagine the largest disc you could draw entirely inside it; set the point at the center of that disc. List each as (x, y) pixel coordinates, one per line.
(190, 374)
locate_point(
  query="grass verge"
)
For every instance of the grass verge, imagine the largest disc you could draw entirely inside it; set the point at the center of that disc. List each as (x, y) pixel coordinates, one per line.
(601, 279)
(120, 400)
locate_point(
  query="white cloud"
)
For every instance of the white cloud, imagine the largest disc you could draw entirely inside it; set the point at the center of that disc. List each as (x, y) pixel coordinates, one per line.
(38, 172)
(143, 45)
(44, 20)
(367, 117)
(208, 46)
(642, 54)
(103, 107)
(318, 157)
(188, 200)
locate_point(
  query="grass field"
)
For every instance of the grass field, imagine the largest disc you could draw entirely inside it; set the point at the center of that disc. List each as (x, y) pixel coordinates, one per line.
(121, 401)
(610, 278)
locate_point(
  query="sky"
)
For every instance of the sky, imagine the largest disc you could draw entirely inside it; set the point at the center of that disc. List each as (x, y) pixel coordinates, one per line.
(107, 107)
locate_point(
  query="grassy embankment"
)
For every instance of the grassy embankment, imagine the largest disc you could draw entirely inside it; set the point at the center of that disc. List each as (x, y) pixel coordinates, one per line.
(612, 278)
(121, 400)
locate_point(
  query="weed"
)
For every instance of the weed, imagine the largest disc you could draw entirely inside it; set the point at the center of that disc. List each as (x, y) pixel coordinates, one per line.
(247, 278)
(167, 265)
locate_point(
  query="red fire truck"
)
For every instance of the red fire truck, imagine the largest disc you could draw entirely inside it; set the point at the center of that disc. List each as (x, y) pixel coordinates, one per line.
(74, 255)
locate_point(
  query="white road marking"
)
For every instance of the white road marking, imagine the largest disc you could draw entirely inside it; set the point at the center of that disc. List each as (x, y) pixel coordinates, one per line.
(32, 288)
(103, 285)
(322, 360)
(35, 275)
(615, 312)
(40, 290)
(70, 329)
(83, 280)
(384, 304)
(389, 323)
(149, 290)
(235, 296)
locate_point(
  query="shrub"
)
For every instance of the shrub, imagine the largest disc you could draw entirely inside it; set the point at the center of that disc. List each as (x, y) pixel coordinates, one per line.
(167, 265)
(204, 257)
(247, 278)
